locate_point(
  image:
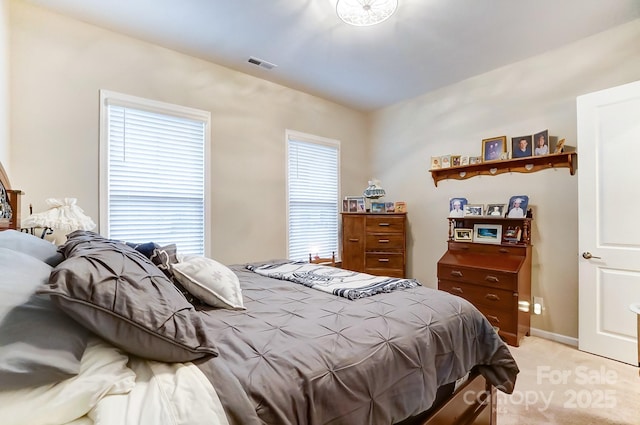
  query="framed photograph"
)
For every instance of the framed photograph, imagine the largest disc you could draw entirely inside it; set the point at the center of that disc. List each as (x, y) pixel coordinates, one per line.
(345, 205)
(487, 233)
(400, 207)
(462, 235)
(464, 160)
(390, 207)
(378, 207)
(436, 163)
(496, 210)
(455, 160)
(456, 207)
(559, 146)
(541, 142)
(494, 147)
(518, 206)
(353, 205)
(445, 161)
(473, 210)
(512, 234)
(475, 160)
(521, 146)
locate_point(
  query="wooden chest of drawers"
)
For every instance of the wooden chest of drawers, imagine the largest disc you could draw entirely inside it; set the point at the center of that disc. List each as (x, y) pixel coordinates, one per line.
(374, 243)
(494, 278)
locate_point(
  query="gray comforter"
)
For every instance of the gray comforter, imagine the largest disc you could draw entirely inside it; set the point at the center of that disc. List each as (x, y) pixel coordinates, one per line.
(301, 356)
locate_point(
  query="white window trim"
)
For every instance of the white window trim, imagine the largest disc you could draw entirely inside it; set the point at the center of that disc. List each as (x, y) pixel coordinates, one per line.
(108, 97)
(306, 137)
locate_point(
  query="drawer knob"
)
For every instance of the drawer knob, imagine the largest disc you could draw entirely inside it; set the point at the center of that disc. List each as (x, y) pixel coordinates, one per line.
(493, 319)
(456, 273)
(383, 240)
(492, 279)
(383, 260)
(492, 297)
(457, 289)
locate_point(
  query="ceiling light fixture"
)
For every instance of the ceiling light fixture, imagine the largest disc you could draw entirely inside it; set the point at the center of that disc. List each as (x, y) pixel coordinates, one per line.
(362, 13)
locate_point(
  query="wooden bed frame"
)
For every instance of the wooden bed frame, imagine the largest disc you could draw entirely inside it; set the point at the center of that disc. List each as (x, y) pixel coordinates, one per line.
(473, 403)
(13, 199)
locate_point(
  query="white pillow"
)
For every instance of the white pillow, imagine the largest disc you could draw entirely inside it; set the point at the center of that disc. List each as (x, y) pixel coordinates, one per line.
(210, 281)
(103, 370)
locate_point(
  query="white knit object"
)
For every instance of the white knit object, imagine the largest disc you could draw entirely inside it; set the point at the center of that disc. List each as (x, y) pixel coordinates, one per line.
(62, 214)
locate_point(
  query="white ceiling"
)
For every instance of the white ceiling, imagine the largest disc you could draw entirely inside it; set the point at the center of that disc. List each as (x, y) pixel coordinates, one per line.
(425, 45)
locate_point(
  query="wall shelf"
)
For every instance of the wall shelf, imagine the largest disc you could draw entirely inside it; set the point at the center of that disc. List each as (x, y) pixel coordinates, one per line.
(516, 165)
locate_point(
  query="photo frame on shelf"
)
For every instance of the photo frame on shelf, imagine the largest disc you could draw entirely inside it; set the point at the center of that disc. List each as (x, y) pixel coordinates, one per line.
(487, 233)
(473, 160)
(345, 205)
(517, 207)
(493, 148)
(378, 207)
(559, 146)
(400, 207)
(455, 160)
(541, 143)
(436, 163)
(445, 161)
(462, 234)
(512, 234)
(390, 207)
(456, 207)
(521, 147)
(473, 210)
(359, 203)
(496, 210)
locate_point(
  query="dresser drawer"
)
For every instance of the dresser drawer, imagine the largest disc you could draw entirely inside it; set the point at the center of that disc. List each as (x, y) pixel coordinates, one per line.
(385, 242)
(382, 224)
(492, 278)
(488, 248)
(504, 320)
(480, 295)
(399, 273)
(374, 260)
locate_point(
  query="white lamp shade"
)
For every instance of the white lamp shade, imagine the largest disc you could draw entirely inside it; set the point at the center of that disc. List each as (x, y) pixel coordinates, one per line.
(62, 214)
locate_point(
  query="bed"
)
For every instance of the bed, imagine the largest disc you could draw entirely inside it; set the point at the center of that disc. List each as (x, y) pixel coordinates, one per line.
(106, 332)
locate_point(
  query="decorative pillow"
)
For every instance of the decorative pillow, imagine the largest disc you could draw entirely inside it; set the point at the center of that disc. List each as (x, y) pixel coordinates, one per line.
(145, 249)
(164, 257)
(39, 344)
(210, 281)
(118, 294)
(32, 245)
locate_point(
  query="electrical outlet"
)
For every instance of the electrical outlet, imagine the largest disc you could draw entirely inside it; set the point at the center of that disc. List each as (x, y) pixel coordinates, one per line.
(538, 305)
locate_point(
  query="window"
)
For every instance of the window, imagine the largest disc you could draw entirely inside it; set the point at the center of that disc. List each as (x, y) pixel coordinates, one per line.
(153, 173)
(312, 195)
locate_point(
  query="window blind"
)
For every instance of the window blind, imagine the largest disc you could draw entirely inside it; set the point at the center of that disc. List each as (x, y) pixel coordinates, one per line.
(155, 182)
(313, 182)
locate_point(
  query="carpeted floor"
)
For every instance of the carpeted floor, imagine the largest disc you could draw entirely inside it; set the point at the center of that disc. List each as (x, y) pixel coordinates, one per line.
(558, 384)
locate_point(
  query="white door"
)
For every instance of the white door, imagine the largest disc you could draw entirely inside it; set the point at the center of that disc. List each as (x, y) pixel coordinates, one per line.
(609, 221)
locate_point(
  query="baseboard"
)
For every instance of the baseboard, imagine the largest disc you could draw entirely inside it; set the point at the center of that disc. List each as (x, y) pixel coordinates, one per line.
(563, 339)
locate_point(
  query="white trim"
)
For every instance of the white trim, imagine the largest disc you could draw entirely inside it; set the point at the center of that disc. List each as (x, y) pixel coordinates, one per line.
(563, 339)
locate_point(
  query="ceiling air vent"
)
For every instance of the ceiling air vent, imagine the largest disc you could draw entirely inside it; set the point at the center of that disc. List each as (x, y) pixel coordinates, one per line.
(261, 63)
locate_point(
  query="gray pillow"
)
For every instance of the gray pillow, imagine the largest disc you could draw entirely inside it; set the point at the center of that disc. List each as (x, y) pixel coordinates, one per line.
(116, 292)
(39, 344)
(31, 245)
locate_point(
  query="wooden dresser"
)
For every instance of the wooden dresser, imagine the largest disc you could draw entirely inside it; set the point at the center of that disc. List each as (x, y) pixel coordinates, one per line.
(374, 243)
(496, 278)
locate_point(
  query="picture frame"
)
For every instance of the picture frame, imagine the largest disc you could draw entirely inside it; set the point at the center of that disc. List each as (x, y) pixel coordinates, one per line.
(400, 207)
(436, 163)
(473, 210)
(390, 207)
(473, 160)
(495, 210)
(541, 143)
(345, 205)
(512, 234)
(456, 207)
(559, 146)
(461, 234)
(517, 206)
(445, 161)
(493, 148)
(464, 160)
(378, 207)
(521, 147)
(455, 160)
(355, 203)
(487, 233)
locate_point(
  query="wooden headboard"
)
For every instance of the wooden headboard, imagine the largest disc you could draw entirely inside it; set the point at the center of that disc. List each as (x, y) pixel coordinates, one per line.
(9, 203)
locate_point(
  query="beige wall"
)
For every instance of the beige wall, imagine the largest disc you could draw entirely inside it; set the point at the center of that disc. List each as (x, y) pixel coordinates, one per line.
(4, 85)
(519, 99)
(58, 66)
